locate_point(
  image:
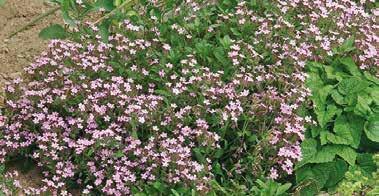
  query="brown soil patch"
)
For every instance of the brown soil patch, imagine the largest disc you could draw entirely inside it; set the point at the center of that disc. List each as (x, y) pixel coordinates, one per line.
(20, 50)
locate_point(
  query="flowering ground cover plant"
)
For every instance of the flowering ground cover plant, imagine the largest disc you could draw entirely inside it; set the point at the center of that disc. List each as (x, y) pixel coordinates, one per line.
(187, 97)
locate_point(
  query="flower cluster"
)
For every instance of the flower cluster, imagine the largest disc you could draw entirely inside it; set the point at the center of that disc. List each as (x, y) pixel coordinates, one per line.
(165, 100)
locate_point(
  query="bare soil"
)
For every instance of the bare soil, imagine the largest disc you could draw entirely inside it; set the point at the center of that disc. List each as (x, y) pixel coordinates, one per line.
(20, 50)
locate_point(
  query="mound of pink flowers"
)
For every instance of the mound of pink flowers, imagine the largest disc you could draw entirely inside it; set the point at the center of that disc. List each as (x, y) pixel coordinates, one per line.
(149, 104)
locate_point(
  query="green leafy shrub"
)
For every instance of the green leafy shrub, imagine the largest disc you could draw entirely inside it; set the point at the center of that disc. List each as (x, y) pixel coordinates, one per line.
(346, 106)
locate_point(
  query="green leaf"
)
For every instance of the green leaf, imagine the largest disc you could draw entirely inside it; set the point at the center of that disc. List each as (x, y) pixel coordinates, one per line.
(283, 188)
(348, 130)
(174, 192)
(374, 93)
(371, 128)
(346, 153)
(352, 85)
(104, 30)
(324, 137)
(371, 77)
(316, 174)
(374, 192)
(366, 162)
(220, 56)
(338, 98)
(159, 186)
(308, 151)
(316, 177)
(348, 45)
(308, 148)
(311, 154)
(54, 31)
(326, 154)
(362, 108)
(106, 4)
(324, 117)
(65, 7)
(119, 154)
(315, 131)
(319, 97)
(350, 66)
(336, 173)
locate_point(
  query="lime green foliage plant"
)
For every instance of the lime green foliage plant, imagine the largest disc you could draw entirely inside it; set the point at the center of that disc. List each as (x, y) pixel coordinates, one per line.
(360, 180)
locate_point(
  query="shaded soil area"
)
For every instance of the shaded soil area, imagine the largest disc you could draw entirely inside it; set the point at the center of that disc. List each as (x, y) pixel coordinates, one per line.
(20, 50)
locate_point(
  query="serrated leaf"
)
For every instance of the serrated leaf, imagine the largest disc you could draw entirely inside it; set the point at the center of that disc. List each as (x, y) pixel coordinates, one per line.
(323, 156)
(321, 175)
(371, 128)
(317, 174)
(352, 85)
(311, 154)
(308, 148)
(54, 31)
(348, 130)
(346, 153)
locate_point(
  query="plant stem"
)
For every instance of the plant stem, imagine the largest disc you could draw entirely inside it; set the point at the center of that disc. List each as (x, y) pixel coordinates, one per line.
(124, 4)
(34, 21)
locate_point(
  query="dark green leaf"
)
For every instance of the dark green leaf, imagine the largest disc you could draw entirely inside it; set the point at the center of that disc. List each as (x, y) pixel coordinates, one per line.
(352, 85)
(348, 130)
(372, 128)
(346, 153)
(338, 98)
(366, 163)
(105, 4)
(324, 117)
(336, 173)
(350, 66)
(54, 31)
(362, 108)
